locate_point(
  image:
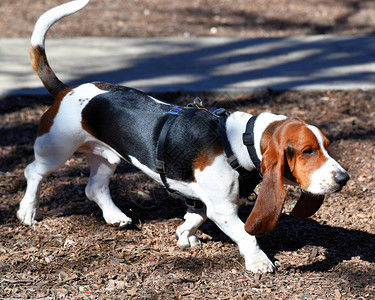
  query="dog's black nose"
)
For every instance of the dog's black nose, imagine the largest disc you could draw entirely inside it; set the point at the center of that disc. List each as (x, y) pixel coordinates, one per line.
(341, 178)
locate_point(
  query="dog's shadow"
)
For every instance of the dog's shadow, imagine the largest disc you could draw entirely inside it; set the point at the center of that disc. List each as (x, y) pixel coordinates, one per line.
(153, 203)
(340, 244)
(291, 234)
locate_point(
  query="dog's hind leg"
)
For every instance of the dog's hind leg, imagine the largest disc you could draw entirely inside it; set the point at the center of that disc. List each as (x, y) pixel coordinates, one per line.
(101, 169)
(30, 202)
(186, 232)
(48, 157)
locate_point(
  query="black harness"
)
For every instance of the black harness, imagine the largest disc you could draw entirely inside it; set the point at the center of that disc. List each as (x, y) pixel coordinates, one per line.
(248, 140)
(248, 180)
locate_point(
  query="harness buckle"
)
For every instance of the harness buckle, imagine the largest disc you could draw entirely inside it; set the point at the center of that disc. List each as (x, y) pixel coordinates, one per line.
(175, 111)
(198, 101)
(233, 162)
(220, 112)
(194, 204)
(159, 166)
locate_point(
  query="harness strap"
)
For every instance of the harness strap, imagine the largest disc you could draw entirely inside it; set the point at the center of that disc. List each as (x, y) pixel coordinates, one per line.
(248, 140)
(248, 180)
(193, 203)
(173, 113)
(159, 163)
(217, 112)
(231, 158)
(160, 158)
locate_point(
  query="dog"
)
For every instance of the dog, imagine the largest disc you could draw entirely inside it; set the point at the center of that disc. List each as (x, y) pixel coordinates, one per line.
(206, 155)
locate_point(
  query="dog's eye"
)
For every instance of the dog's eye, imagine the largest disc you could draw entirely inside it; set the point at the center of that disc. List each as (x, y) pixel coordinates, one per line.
(308, 151)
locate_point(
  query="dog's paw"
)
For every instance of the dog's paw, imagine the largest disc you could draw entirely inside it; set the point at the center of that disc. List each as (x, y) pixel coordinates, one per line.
(187, 241)
(26, 216)
(119, 220)
(124, 224)
(259, 263)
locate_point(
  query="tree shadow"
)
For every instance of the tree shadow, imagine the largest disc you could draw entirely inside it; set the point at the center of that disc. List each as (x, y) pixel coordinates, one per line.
(201, 64)
(237, 64)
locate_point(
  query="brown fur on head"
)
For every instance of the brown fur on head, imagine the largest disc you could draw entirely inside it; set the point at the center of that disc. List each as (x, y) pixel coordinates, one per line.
(290, 150)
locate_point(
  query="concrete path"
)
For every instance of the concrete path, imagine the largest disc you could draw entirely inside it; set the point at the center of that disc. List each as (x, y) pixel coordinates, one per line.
(214, 64)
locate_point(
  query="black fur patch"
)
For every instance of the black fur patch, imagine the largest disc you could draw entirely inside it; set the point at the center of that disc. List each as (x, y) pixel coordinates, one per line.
(130, 122)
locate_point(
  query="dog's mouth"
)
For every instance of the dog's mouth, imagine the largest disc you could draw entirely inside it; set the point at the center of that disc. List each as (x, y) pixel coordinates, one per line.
(335, 188)
(310, 194)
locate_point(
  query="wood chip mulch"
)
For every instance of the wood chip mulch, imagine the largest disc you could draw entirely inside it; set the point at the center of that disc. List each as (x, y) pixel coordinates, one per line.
(72, 253)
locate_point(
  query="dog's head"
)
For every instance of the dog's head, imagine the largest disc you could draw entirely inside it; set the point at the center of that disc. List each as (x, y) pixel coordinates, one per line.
(296, 151)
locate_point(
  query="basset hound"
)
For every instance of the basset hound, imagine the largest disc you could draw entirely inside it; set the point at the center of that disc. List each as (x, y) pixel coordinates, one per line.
(110, 122)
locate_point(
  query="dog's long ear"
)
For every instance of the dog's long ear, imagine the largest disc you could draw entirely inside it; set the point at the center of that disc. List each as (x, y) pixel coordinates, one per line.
(307, 205)
(270, 202)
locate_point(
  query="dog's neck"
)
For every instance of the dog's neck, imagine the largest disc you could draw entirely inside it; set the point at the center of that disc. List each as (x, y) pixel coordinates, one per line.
(236, 126)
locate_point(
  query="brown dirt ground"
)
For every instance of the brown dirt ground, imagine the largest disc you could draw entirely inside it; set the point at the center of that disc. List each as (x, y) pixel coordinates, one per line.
(256, 18)
(72, 253)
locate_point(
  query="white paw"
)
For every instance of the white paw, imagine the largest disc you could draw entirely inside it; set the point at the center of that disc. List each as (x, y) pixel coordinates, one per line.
(26, 216)
(259, 263)
(184, 240)
(117, 219)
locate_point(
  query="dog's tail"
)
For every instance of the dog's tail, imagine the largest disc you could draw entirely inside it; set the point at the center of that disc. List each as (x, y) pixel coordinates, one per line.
(38, 56)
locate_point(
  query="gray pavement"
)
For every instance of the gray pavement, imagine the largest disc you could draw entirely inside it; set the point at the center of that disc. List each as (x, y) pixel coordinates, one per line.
(213, 64)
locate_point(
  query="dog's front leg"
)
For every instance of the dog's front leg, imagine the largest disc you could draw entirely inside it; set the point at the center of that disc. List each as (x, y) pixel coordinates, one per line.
(226, 218)
(219, 190)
